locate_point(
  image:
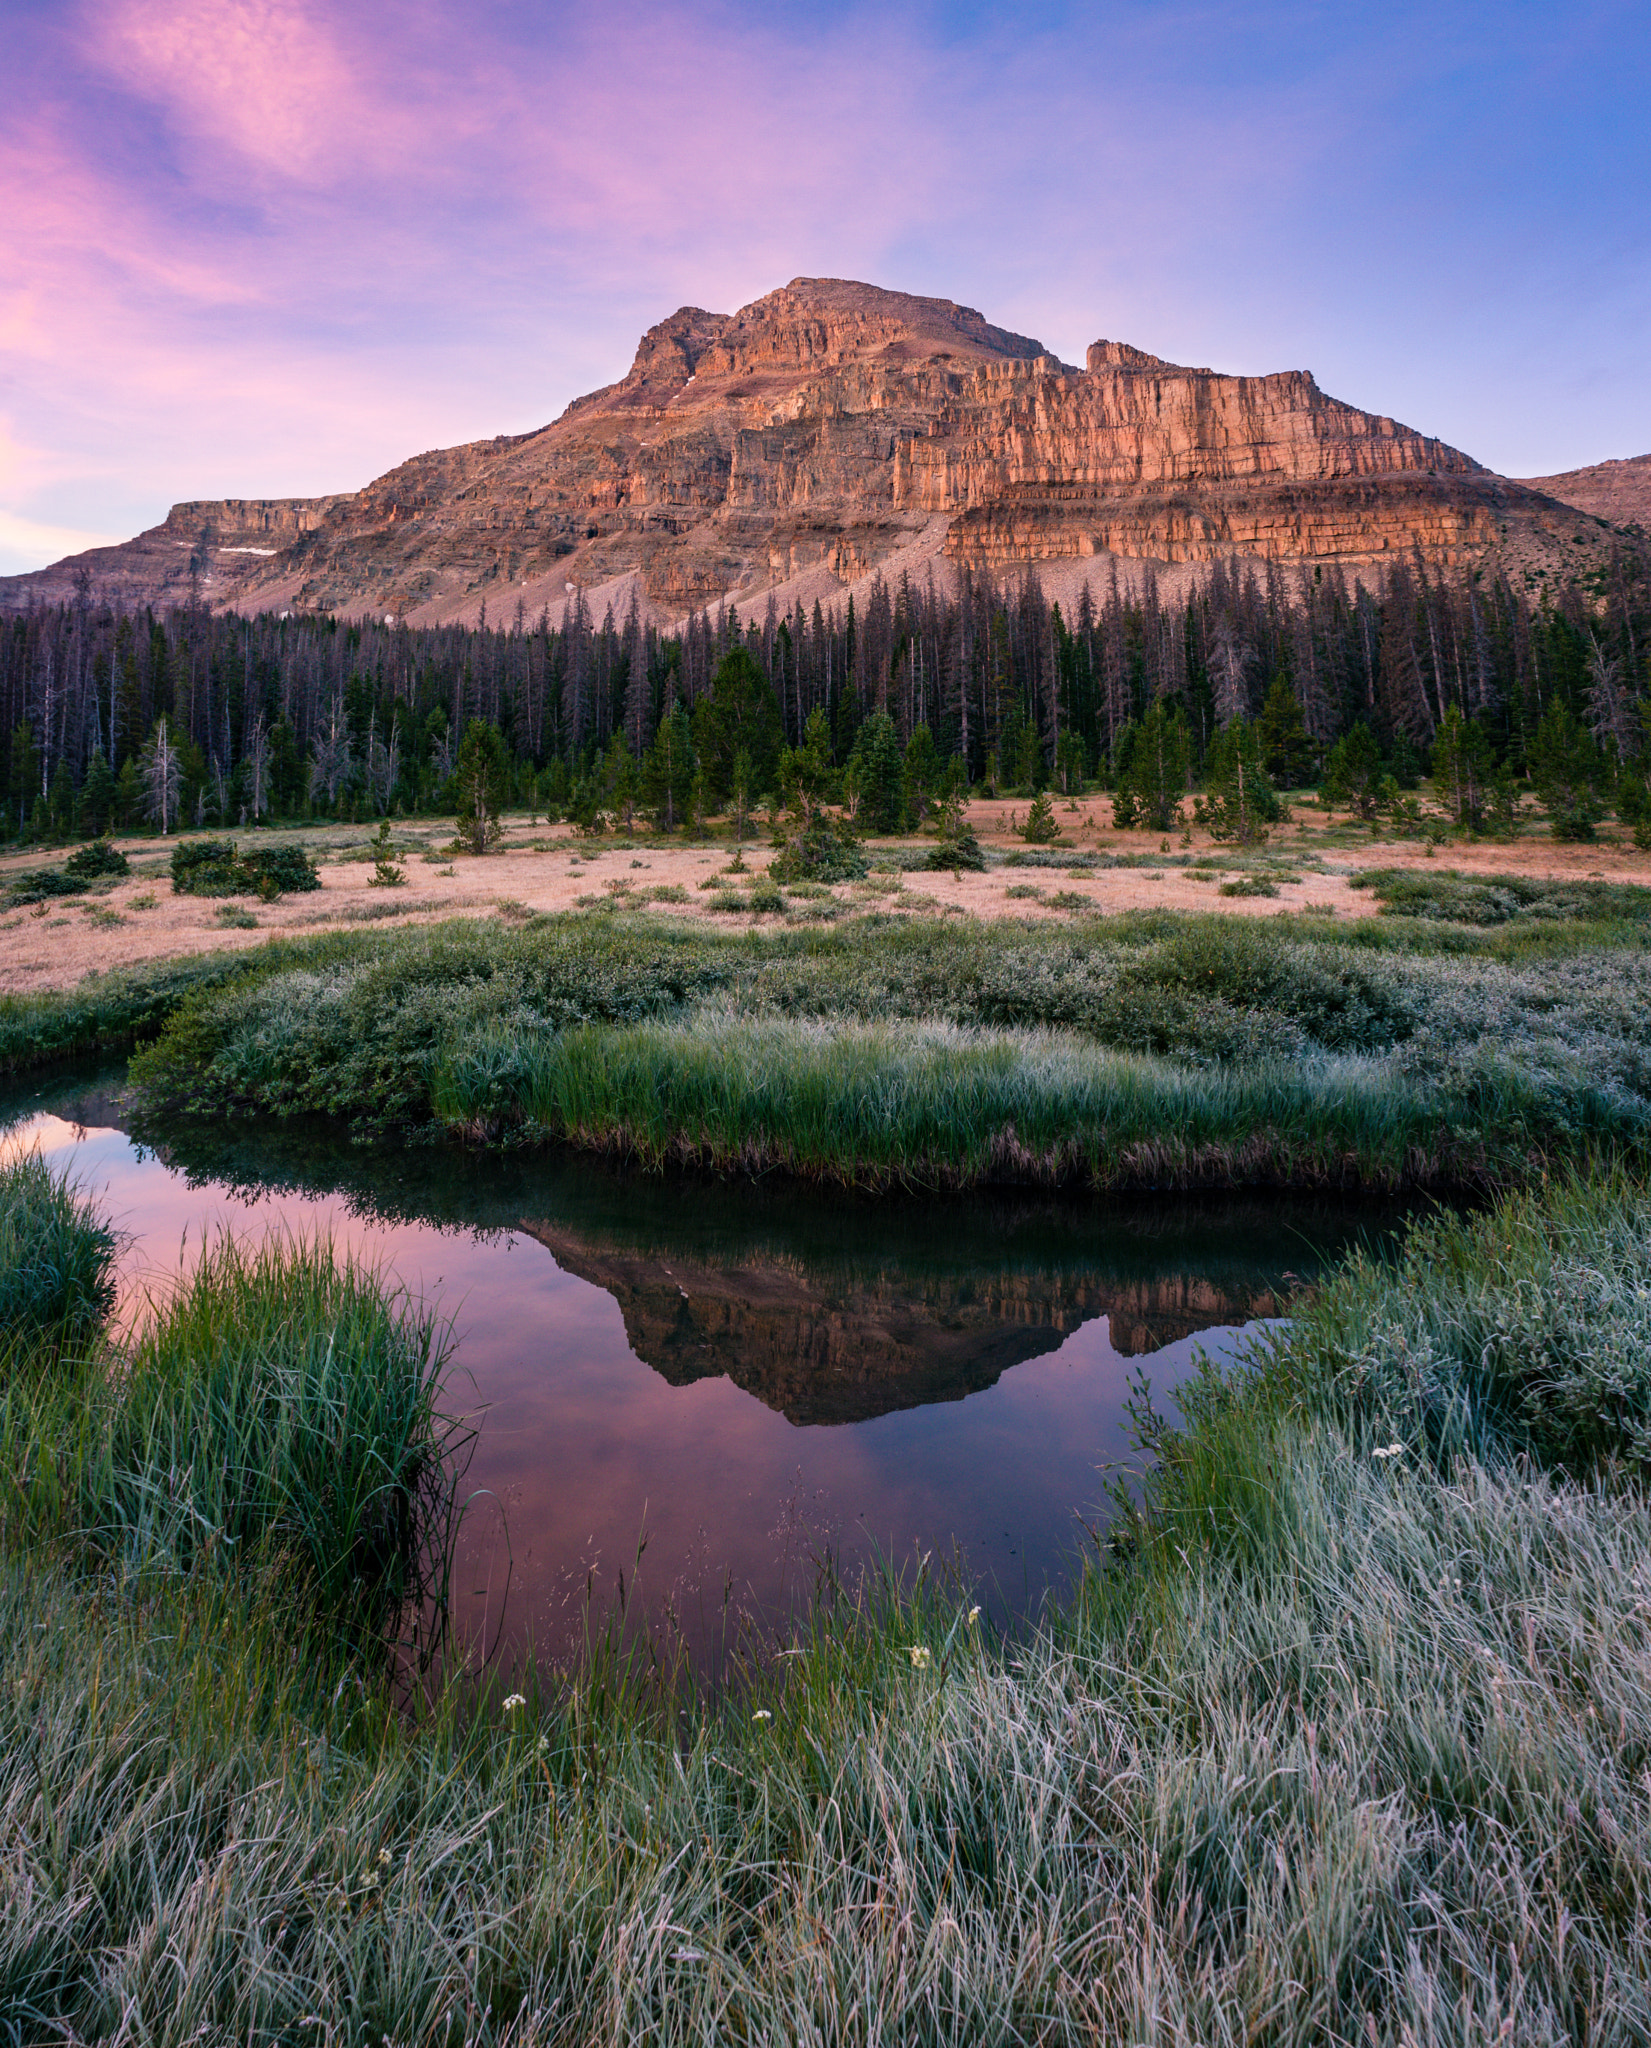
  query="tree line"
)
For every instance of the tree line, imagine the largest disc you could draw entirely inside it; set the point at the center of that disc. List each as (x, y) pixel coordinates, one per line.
(182, 717)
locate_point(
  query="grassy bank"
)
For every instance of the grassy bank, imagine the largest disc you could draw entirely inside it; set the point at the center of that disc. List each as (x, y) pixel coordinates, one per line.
(1347, 1740)
(1147, 1050)
(273, 1422)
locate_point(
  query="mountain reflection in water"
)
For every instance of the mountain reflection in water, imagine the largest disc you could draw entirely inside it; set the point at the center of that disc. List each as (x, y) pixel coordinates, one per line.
(755, 1376)
(826, 1341)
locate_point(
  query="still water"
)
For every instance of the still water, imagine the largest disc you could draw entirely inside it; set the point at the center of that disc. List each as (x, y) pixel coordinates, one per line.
(739, 1382)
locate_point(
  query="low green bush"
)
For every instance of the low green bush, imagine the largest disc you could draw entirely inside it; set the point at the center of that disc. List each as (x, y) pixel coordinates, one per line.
(37, 885)
(825, 850)
(1449, 896)
(1518, 1066)
(1522, 1334)
(956, 852)
(97, 861)
(214, 867)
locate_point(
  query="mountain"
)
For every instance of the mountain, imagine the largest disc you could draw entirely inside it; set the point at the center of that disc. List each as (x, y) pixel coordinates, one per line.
(1618, 491)
(832, 429)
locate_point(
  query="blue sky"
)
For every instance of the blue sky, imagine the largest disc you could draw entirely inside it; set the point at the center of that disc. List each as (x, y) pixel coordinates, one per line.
(261, 247)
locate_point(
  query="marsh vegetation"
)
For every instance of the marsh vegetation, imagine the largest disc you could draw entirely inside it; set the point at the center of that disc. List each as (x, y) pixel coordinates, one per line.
(1418, 1050)
(1343, 1737)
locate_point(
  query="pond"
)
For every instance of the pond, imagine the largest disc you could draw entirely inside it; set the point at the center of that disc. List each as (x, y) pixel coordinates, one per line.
(704, 1399)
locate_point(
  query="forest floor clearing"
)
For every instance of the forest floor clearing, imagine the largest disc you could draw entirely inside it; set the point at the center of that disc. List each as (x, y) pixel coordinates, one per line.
(1309, 866)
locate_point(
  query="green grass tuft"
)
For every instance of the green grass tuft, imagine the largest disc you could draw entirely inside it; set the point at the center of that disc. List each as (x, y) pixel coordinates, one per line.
(56, 1257)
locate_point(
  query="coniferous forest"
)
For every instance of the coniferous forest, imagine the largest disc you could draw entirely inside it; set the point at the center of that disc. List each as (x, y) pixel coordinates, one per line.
(123, 719)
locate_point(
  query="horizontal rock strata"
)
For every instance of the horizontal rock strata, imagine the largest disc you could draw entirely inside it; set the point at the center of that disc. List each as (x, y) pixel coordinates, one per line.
(828, 426)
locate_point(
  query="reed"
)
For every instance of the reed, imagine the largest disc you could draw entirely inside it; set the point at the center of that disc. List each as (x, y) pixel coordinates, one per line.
(277, 1422)
(939, 1105)
(56, 1258)
(282, 1413)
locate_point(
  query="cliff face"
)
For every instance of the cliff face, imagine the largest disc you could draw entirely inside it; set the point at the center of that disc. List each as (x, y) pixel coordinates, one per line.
(201, 546)
(799, 443)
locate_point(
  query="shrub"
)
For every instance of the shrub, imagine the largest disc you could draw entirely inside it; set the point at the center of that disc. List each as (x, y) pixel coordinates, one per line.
(961, 850)
(35, 885)
(823, 850)
(1345, 1003)
(94, 862)
(287, 869)
(1447, 895)
(958, 847)
(213, 867)
(205, 867)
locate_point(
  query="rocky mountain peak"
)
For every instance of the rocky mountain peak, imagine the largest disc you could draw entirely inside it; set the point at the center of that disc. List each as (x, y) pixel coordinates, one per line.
(833, 429)
(1119, 355)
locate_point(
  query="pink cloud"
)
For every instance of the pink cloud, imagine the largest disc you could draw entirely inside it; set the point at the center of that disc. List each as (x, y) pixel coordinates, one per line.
(269, 80)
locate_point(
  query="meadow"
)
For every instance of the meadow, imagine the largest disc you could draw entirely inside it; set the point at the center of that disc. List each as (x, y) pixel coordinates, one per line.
(1472, 1036)
(1344, 1735)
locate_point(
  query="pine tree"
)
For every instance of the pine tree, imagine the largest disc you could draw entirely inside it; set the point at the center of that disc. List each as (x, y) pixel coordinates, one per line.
(1230, 659)
(1040, 828)
(741, 715)
(1463, 769)
(1570, 773)
(128, 792)
(97, 797)
(1353, 772)
(920, 774)
(620, 781)
(60, 802)
(24, 779)
(481, 784)
(880, 775)
(1151, 768)
(669, 771)
(1239, 802)
(1286, 746)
